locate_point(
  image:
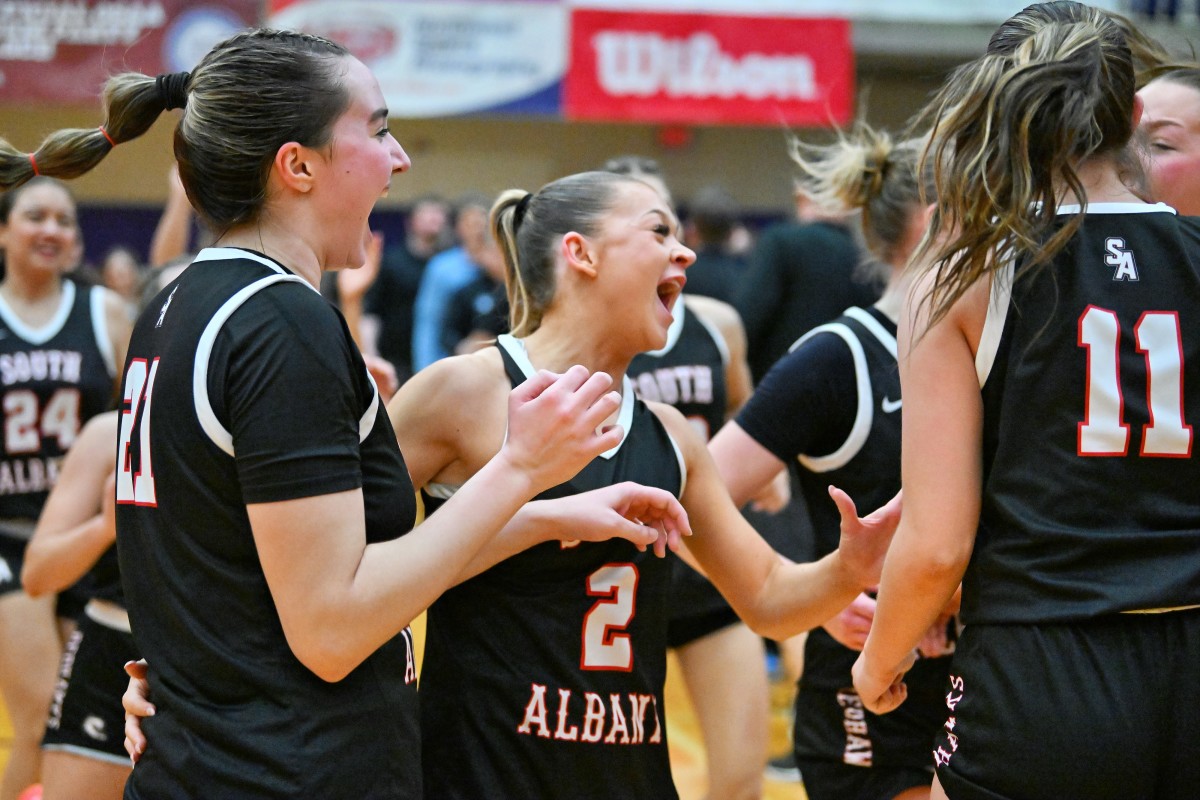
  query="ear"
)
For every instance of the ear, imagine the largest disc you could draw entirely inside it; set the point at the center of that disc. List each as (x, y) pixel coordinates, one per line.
(1138, 107)
(579, 255)
(294, 167)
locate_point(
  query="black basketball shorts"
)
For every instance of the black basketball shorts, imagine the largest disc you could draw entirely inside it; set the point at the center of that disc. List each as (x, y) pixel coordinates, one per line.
(86, 717)
(1107, 709)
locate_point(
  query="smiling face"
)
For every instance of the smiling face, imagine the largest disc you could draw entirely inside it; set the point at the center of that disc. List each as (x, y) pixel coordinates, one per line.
(361, 159)
(41, 233)
(1171, 128)
(639, 242)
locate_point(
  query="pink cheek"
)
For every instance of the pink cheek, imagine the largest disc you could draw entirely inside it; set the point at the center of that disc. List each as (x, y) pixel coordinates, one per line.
(1176, 181)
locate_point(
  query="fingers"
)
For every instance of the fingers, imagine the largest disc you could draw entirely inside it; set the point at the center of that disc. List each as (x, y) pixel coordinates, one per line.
(136, 706)
(890, 700)
(845, 505)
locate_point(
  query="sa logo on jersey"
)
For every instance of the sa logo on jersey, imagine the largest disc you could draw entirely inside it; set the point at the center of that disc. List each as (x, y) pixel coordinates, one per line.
(1125, 267)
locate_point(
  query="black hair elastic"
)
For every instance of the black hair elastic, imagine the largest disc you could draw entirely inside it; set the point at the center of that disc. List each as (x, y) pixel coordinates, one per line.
(172, 89)
(522, 206)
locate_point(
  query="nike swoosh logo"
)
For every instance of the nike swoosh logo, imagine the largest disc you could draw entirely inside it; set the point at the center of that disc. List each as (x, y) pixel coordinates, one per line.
(890, 406)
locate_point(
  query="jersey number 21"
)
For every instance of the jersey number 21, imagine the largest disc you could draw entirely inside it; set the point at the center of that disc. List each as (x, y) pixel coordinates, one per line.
(136, 488)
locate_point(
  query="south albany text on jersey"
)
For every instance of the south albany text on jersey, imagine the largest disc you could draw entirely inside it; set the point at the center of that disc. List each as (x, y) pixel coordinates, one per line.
(591, 717)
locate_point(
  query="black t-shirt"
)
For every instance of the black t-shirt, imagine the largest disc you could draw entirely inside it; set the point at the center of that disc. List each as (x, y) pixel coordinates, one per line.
(391, 299)
(479, 307)
(800, 275)
(244, 386)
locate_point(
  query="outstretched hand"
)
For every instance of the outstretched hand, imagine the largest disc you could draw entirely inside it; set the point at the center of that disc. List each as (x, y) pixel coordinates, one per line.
(554, 424)
(353, 283)
(136, 701)
(865, 540)
(644, 515)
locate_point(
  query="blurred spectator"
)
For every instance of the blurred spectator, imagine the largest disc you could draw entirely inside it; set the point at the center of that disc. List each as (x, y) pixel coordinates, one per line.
(389, 303)
(173, 234)
(121, 272)
(712, 217)
(801, 275)
(478, 312)
(642, 168)
(445, 274)
(1151, 8)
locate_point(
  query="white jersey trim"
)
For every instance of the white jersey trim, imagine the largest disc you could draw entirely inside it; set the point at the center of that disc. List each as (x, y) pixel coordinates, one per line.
(864, 318)
(100, 328)
(516, 349)
(229, 253)
(674, 331)
(718, 339)
(40, 336)
(442, 491)
(1117, 208)
(209, 423)
(682, 463)
(993, 323)
(367, 421)
(865, 414)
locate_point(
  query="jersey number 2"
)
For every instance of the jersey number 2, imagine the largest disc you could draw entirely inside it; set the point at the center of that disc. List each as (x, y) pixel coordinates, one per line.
(1103, 431)
(136, 488)
(605, 645)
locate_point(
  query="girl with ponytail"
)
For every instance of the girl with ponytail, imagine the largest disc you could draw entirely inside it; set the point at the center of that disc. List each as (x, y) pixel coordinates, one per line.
(265, 522)
(1050, 358)
(61, 345)
(831, 409)
(543, 675)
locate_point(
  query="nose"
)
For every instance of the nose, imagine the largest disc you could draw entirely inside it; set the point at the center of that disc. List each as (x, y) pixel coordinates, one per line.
(683, 255)
(54, 227)
(400, 159)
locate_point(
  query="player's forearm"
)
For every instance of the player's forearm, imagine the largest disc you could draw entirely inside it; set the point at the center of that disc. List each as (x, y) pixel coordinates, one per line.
(799, 597)
(918, 584)
(55, 561)
(394, 581)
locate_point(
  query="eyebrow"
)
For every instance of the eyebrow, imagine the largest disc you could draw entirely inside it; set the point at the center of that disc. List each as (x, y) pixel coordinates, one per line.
(1155, 124)
(666, 215)
(380, 114)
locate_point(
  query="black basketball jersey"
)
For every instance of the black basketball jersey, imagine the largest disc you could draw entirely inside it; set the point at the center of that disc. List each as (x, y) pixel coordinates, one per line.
(845, 369)
(1090, 371)
(842, 378)
(243, 386)
(688, 372)
(54, 378)
(543, 676)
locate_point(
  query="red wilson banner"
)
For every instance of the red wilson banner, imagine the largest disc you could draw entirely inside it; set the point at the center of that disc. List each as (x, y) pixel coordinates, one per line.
(709, 69)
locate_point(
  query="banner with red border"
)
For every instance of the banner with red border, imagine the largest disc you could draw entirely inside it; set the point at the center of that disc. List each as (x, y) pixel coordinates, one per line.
(708, 69)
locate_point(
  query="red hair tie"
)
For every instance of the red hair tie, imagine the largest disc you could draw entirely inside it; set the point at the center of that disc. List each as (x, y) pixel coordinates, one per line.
(106, 136)
(33, 163)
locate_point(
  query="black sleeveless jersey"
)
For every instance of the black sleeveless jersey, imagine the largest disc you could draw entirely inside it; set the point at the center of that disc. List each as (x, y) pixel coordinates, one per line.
(543, 676)
(243, 386)
(1090, 371)
(54, 379)
(688, 372)
(840, 377)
